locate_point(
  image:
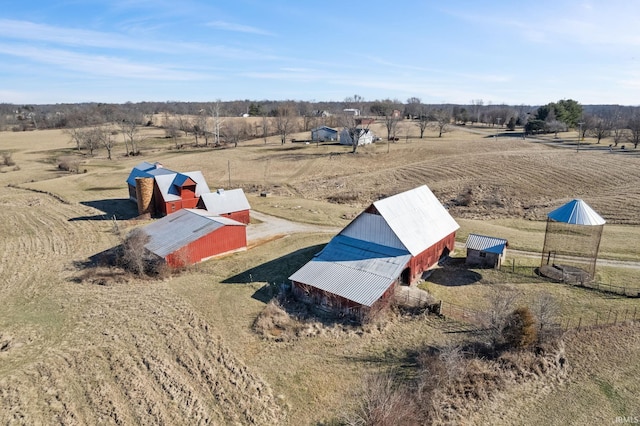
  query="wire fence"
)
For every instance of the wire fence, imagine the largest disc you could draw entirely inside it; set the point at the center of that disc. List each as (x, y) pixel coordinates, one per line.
(532, 271)
(588, 319)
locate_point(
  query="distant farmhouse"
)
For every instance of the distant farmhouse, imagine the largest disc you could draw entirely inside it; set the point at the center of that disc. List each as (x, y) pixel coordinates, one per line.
(390, 243)
(365, 137)
(486, 252)
(190, 236)
(324, 133)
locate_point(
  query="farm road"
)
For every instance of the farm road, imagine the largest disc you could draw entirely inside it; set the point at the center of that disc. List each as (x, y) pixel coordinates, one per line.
(272, 227)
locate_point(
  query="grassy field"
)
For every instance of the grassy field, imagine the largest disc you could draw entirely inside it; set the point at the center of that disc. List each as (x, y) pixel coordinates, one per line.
(138, 351)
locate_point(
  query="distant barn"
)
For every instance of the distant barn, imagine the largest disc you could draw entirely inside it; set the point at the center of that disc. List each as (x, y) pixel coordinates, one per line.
(324, 133)
(390, 243)
(486, 252)
(190, 236)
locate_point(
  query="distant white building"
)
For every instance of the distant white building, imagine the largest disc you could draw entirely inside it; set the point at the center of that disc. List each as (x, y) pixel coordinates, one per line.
(351, 111)
(365, 137)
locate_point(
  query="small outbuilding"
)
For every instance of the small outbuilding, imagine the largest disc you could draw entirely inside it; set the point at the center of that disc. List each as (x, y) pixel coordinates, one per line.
(486, 252)
(324, 133)
(231, 203)
(364, 136)
(190, 236)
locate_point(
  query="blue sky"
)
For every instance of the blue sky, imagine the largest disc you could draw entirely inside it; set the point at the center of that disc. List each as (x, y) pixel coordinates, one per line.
(439, 51)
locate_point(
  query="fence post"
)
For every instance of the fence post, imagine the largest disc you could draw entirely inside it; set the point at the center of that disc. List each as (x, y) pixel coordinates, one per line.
(597, 319)
(615, 321)
(634, 313)
(579, 323)
(609, 316)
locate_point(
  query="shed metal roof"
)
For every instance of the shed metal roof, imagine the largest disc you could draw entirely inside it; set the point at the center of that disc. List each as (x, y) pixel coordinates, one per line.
(417, 218)
(225, 201)
(485, 243)
(356, 270)
(181, 228)
(576, 212)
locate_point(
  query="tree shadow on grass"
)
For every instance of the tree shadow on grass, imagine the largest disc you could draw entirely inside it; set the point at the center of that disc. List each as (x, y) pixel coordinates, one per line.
(121, 208)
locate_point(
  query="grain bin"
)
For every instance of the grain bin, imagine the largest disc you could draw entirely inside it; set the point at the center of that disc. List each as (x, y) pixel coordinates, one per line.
(144, 195)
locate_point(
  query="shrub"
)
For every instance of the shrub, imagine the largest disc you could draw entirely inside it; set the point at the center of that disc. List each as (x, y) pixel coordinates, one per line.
(7, 160)
(520, 330)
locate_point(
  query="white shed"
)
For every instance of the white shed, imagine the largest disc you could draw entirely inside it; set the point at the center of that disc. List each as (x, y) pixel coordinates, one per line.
(365, 137)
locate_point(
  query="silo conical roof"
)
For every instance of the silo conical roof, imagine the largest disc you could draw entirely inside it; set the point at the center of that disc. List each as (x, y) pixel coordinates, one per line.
(576, 212)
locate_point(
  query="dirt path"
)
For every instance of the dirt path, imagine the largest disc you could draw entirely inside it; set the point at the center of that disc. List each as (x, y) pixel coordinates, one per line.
(272, 227)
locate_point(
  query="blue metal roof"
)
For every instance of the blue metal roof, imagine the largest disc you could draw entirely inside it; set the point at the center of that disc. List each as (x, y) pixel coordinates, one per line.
(576, 212)
(354, 269)
(487, 244)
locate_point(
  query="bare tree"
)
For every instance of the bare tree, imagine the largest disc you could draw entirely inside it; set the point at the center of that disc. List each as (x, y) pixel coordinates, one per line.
(545, 309)
(106, 139)
(501, 305)
(285, 121)
(384, 402)
(423, 121)
(442, 122)
(265, 128)
(599, 128)
(391, 120)
(216, 113)
(133, 256)
(413, 107)
(234, 131)
(353, 129)
(171, 131)
(130, 126)
(633, 134)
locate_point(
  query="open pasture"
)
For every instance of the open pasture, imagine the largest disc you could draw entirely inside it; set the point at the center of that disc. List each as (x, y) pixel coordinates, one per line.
(152, 352)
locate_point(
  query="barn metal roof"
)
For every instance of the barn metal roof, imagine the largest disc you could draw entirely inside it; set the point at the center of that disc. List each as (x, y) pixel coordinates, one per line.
(485, 243)
(417, 218)
(356, 270)
(168, 184)
(146, 169)
(225, 201)
(178, 229)
(576, 212)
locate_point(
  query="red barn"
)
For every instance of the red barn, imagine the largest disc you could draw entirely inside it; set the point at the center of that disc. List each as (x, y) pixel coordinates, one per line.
(230, 203)
(172, 191)
(390, 243)
(190, 236)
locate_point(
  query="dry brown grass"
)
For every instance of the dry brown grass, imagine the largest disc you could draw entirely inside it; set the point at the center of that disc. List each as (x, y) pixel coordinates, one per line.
(152, 352)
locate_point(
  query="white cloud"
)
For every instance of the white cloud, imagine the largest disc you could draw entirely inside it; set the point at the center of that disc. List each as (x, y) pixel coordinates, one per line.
(239, 28)
(98, 65)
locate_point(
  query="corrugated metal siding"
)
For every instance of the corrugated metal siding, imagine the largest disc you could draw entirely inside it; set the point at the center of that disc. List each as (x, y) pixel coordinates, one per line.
(222, 240)
(233, 200)
(180, 229)
(417, 218)
(353, 269)
(485, 243)
(373, 228)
